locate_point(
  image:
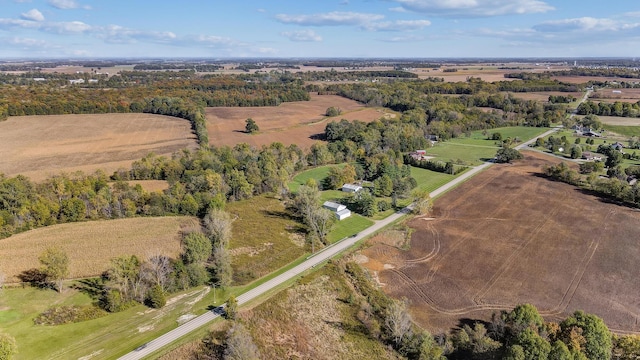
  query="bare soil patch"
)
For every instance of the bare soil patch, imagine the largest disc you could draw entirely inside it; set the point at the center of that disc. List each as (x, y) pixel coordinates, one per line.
(41, 146)
(91, 245)
(508, 236)
(488, 72)
(290, 123)
(151, 185)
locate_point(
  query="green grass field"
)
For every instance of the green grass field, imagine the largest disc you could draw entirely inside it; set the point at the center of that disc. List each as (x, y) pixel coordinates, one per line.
(106, 338)
(470, 154)
(476, 149)
(349, 226)
(318, 174)
(625, 130)
(430, 180)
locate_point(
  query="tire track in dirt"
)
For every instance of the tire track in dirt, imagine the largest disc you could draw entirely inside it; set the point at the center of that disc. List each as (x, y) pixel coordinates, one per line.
(516, 253)
(436, 265)
(568, 295)
(435, 251)
(413, 286)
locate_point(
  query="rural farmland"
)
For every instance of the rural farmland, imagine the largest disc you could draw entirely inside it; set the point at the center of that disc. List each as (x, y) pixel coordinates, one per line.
(104, 240)
(538, 241)
(289, 123)
(41, 146)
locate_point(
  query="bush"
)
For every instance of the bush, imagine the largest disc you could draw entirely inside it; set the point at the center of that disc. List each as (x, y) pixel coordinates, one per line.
(333, 111)
(113, 301)
(155, 297)
(8, 347)
(67, 314)
(384, 205)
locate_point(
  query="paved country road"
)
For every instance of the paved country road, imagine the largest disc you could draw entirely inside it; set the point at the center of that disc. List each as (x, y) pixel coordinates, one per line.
(323, 255)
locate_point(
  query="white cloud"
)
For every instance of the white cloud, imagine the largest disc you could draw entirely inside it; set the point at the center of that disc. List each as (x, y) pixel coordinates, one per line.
(365, 21)
(33, 15)
(14, 23)
(70, 27)
(209, 41)
(401, 39)
(67, 4)
(399, 9)
(121, 35)
(475, 8)
(399, 25)
(30, 45)
(302, 35)
(25, 42)
(582, 24)
(335, 18)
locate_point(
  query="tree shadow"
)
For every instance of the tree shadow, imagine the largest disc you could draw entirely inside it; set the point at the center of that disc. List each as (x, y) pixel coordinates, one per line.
(471, 323)
(36, 278)
(320, 136)
(93, 287)
(279, 214)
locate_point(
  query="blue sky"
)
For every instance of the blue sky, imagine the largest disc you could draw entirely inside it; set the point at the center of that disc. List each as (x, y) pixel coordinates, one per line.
(319, 28)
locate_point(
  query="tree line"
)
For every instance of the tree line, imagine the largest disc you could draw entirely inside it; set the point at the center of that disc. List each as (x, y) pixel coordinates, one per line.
(618, 108)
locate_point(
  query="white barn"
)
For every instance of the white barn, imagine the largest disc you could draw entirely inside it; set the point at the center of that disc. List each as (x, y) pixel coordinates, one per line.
(351, 188)
(339, 210)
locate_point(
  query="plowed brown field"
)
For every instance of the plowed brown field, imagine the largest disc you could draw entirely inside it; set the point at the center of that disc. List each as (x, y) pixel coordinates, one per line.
(290, 123)
(40, 146)
(508, 236)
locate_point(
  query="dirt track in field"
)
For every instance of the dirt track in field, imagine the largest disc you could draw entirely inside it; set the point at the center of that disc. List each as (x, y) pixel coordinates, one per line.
(290, 123)
(40, 146)
(508, 236)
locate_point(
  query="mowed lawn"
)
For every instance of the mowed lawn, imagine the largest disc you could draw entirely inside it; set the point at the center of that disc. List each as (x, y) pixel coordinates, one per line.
(476, 148)
(265, 237)
(349, 226)
(430, 180)
(91, 245)
(318, 174)
(104, 338)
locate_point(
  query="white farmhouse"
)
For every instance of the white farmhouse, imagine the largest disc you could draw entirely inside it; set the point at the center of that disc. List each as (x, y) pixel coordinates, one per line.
(340, 210)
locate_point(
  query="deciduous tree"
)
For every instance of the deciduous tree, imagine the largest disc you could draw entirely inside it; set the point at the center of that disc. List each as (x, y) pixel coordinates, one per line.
(251, 127)
(55, 264)
(221, 266)
(397, 320)
(231, 310)
(240, 345)
(197, 248)
(218, 226)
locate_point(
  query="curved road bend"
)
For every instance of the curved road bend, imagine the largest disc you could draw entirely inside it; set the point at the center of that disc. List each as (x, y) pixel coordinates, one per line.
(323, 255)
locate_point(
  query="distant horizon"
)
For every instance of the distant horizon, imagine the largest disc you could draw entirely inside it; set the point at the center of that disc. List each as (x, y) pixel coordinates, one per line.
(345, 58)
(430, 29)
